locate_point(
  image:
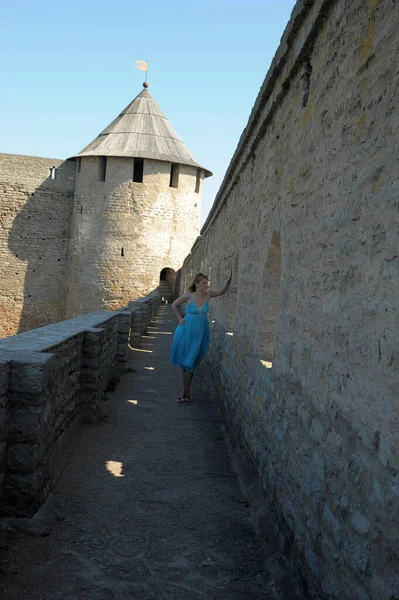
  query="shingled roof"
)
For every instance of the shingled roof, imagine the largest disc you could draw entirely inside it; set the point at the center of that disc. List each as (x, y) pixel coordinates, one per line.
(142, 131)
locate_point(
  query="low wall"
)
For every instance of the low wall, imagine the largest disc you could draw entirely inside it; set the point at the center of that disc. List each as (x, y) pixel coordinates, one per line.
(50, 378)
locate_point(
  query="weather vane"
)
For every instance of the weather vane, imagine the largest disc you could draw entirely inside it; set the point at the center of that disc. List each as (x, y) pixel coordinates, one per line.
(143, 66)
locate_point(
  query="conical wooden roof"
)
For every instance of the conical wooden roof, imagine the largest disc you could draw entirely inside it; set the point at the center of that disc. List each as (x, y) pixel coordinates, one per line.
(142, 131)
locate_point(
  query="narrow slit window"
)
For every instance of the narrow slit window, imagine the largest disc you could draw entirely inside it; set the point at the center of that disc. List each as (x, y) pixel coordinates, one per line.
(174, 176)
(198, 181)
(53, 172)
(122, 252)
(102, 167)
(79, 165)
(138, 169)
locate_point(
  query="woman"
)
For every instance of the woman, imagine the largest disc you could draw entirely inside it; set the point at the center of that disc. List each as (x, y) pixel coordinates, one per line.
(191, 338)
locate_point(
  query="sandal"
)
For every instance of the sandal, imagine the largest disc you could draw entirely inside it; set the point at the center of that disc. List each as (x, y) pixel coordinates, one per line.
(187, 399)
(180, 400)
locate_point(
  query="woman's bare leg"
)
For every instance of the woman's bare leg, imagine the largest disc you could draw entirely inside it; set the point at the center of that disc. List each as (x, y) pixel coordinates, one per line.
(182, 377)
(189, 379)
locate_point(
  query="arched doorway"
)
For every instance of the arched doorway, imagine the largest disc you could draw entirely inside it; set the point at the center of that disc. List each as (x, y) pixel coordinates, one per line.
(167, 284)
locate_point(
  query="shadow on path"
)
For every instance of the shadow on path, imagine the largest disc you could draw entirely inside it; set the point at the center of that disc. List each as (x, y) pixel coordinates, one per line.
(153, 508)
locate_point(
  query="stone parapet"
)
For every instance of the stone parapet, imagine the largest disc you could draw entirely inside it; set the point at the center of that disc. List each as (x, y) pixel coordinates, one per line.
(50, 379)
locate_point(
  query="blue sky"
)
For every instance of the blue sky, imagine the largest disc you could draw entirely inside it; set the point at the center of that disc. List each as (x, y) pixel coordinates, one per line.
(67, 70)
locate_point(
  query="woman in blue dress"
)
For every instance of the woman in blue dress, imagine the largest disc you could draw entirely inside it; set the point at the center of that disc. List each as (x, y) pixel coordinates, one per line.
(191, 338)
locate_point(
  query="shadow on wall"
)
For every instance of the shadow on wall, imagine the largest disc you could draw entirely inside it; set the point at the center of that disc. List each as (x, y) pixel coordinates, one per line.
(39, 237)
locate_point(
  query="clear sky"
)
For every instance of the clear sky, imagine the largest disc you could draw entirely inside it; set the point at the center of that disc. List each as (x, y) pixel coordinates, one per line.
(67, 70)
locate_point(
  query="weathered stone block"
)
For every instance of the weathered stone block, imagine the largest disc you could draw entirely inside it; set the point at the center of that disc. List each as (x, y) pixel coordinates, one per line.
(3, 423)
(3, 447)
(24, 457)
(31, 377)
(25, 424)
(90, 383)
(333, 522)
(316, 430)
(360, 523)
(124, 322)
(21, 490)
(356, 554)
(4, 377)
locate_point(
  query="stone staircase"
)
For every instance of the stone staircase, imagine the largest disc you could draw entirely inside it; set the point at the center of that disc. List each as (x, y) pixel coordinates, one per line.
(166, 291)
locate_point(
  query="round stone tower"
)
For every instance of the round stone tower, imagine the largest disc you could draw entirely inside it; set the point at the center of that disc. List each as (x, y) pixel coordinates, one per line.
(136, 210)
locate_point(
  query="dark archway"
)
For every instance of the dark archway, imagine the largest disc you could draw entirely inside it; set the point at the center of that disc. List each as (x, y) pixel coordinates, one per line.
(167, 284)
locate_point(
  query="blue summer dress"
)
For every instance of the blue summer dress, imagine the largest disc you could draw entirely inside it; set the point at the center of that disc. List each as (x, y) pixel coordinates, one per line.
(191, 340)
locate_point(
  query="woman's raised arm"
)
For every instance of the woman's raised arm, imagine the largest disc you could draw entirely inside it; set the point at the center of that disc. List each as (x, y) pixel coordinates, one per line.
(213, 293)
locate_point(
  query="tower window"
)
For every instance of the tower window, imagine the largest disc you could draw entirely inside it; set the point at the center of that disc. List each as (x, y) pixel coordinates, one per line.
(53, 172)
(102, 167)
(174, 176)
(78, 164)
(122, 252)
(138, 168)
(198, 181)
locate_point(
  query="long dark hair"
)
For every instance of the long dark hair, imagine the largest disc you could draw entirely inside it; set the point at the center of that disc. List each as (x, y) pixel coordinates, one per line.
(196, 280)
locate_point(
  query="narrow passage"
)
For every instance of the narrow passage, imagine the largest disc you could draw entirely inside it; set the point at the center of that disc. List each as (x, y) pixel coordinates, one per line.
(153, 509)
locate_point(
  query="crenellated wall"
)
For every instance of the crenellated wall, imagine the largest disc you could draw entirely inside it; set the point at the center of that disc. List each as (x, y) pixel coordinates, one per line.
(304, 346)
(35, 212)
(50, 379)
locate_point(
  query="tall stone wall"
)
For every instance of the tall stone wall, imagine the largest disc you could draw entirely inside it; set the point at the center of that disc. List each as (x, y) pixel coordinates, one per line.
(35, 213)
(124, 233)
(303, 348)
(50, 379)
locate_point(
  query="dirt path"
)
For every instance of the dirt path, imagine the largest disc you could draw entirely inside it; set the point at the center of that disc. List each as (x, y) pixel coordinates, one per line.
(152, 510)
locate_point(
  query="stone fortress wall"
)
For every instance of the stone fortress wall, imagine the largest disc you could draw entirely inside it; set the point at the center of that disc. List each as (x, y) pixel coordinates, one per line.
(95, 232)
(124, 233)
(303, 345)
(71, 244)
(35, 215)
